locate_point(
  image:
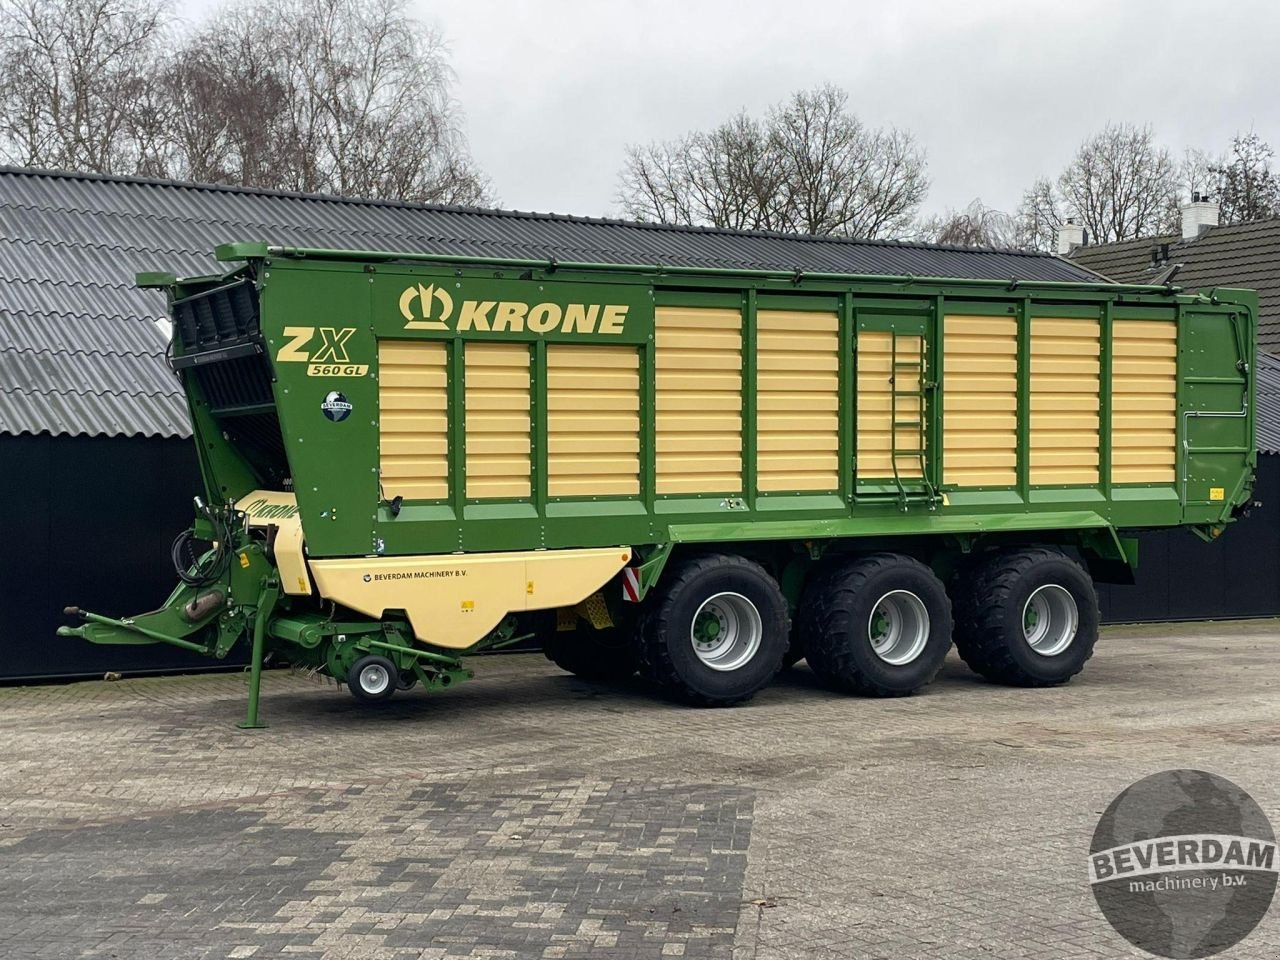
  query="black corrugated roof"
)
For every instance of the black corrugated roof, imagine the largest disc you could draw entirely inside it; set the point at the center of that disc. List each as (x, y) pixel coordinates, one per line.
(1241, 255)
(80, 352)
(1268, 403)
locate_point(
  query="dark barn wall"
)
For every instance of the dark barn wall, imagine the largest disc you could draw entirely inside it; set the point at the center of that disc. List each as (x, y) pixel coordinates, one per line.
(88, 522)
(1180, 577)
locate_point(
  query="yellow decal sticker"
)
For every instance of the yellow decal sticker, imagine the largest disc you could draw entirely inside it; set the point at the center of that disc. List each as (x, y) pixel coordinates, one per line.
(468, 606)
(329, 359)
(244, 561)
(1217, 493)
(426, 298)
(292, 351)
(431, 307)
(528, 588)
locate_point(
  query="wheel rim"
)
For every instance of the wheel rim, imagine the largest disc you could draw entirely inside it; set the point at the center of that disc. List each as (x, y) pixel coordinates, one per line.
(374, 679)
(898, 627)
(726, 631)
(1050, 619)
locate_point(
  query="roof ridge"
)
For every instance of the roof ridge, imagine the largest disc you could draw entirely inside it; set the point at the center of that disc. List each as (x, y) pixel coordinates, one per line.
(507, 213)
(1178, 239)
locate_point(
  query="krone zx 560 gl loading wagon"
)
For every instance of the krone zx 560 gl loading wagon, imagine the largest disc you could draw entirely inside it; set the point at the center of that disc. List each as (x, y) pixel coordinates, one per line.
(697, 474)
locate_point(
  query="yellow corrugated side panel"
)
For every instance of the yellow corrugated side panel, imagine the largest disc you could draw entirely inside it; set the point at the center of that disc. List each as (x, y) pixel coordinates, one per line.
(698, 422)
(413, 419)
(1144, 401)
(876, 405)
(980, 401)
(798, 400)
(593, 420)
(497, 420)
(1064, 400)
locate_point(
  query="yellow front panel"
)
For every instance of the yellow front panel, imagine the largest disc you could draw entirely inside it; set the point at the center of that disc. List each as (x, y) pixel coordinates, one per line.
(699, 400)
(798, 400)
(878, 409)
(1144, 399)
(1064, 401)
(413, 419)
(453, 600)
(278, 509)
(980, 401)
(497, 410)
(593, 420)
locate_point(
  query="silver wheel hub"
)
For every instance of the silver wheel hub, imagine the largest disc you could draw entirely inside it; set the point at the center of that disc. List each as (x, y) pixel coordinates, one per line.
(374, 679)
(1050, 619)
(726, 631)
(898, 627)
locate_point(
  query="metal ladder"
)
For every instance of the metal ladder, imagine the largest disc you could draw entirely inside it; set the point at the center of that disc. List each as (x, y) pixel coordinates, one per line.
(925, 492)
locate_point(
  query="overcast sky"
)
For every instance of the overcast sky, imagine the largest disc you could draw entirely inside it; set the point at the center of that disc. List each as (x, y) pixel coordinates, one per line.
(997, 92)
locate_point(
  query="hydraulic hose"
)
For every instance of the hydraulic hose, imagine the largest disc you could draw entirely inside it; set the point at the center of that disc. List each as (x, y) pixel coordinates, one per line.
(202, 570)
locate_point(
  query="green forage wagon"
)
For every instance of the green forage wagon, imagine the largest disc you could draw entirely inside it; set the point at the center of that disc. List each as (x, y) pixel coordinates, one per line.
(697, 474)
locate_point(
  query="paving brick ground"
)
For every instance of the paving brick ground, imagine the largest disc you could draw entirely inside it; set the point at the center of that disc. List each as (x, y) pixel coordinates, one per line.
(531, 814)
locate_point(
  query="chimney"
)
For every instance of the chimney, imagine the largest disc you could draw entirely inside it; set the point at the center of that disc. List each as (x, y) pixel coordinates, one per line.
(1070, 236)
(1198, 216)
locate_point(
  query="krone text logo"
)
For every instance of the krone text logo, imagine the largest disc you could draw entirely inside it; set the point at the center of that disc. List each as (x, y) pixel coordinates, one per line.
(432, 308)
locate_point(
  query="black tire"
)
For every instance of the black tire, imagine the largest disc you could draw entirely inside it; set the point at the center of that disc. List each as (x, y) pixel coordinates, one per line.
(666, 635)
(795, 650)
(816, 583)
(607, 656)
(372, 678)
(991, 611)
(837, 622)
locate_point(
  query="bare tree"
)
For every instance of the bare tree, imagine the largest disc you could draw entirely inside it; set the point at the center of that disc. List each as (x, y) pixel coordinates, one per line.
(230, 91)
(810, 166)
(1119, 186)
(336, 96)
(74, 82)
(1038, 216)
(977, 225)
(726, 177)
(1196, 173)
(1246, 187)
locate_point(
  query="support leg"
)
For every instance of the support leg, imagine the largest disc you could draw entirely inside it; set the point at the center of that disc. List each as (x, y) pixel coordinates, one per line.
(251, 721)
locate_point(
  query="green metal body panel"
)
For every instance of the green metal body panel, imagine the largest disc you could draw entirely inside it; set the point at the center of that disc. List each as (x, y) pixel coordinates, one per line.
(358, 298)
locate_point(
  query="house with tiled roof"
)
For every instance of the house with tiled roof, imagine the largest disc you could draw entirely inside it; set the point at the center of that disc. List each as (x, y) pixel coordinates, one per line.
(1203, 255)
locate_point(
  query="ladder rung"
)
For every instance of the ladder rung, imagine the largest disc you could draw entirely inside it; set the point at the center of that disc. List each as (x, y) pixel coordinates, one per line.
(907, 365)
(908, 453)
(906, 423)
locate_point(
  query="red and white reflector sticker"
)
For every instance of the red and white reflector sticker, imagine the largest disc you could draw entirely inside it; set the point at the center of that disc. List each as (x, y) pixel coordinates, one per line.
(631, 584)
